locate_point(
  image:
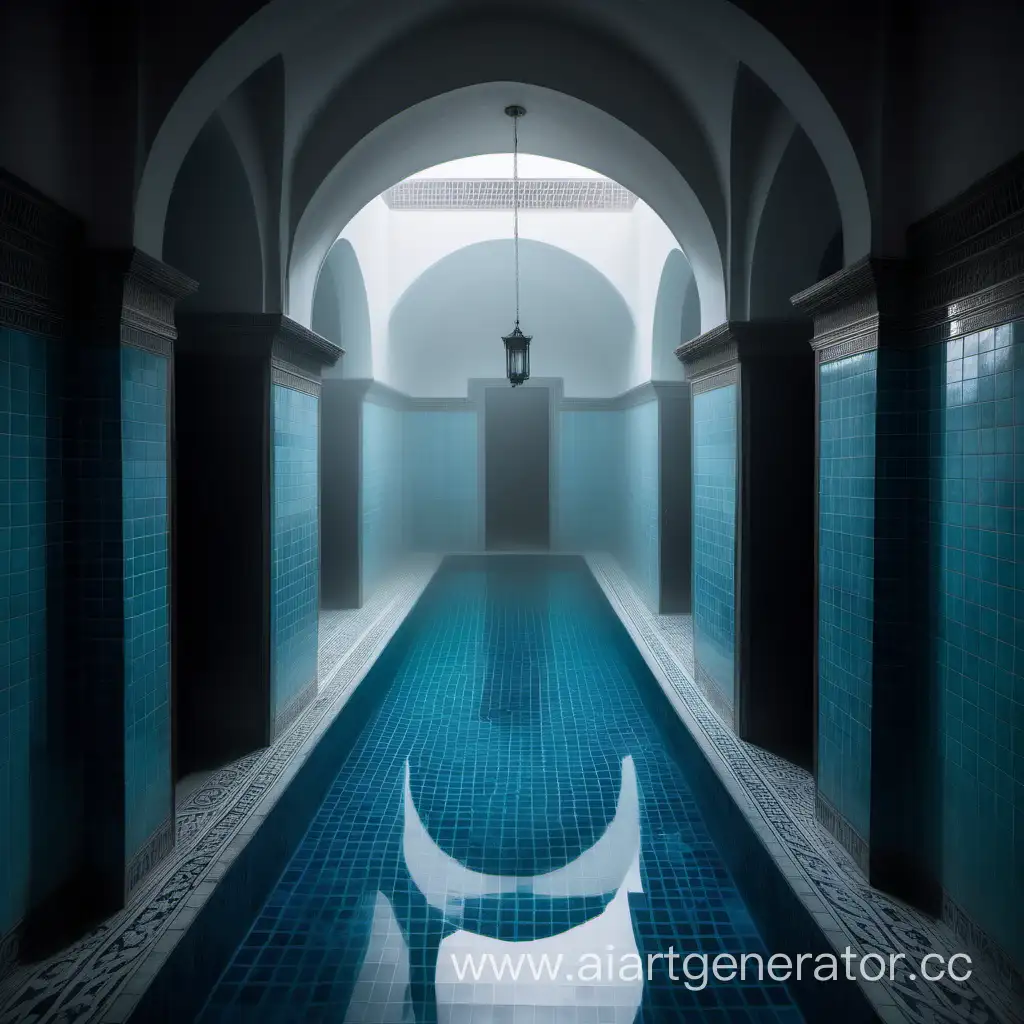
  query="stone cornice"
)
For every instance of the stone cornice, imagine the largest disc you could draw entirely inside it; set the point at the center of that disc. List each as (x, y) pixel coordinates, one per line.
(871, 285)
(639, 395)
(716, 347)
(356, 389)
(439, 404)
(38, 245)
(964, 273)
(382, 394)
(852, 307)
(258, 335)
(139, 293)
(977, 219)
(968, 259)
(737, 341)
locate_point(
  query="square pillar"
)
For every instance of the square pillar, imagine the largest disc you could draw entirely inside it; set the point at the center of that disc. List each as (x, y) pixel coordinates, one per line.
(753, 456)
(874, 709)
(248, 507)
(118, 437)
(361, 457)
(40, 776)
(675, 513)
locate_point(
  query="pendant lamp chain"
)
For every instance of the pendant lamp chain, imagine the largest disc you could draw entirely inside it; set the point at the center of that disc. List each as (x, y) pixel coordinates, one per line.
(515, 202)
(517, 344)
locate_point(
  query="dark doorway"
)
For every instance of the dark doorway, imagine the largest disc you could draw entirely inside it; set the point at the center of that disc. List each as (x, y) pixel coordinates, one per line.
(517, 435)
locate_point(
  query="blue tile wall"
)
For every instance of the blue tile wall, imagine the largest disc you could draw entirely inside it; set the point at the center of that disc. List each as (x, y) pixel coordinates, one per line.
(847, 408)
(295, 545)
(440, 451)
(382, 495)
(589, 481)
(146, 594)
(977, 514)
(714, 535)
(35, 804)
(640, 528)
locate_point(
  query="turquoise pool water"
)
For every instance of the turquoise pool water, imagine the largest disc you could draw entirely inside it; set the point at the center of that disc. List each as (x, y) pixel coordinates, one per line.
(510, 799)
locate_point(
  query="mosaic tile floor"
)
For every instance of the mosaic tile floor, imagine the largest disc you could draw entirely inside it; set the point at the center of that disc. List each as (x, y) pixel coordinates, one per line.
(81, 983)
(782, 796)
(511, 793)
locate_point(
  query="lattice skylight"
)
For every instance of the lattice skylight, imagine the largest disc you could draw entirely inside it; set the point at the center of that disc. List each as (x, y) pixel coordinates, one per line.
(496, 194)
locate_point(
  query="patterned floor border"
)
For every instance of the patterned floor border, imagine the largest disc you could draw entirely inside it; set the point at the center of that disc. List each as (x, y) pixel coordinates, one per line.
(101, 976)
(778, 800)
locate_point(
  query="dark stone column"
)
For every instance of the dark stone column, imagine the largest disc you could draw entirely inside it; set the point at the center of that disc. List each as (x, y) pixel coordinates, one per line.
(248, 390)
(675, 509)
(753, 461)
(118, 440)
(340, 462)
(874, 703)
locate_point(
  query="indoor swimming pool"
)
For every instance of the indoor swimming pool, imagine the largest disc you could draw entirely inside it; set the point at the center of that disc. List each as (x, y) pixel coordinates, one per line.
(509, 803)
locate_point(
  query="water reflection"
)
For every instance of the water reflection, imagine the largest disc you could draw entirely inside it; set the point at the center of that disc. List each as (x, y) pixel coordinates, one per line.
(516, 646)
(473, 967)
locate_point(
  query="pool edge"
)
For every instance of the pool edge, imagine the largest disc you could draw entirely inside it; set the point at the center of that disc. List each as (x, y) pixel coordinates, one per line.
(761, 842)
(242, 874)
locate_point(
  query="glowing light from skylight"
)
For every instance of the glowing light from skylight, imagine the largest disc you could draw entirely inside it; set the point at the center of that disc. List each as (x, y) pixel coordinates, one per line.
(499, 165)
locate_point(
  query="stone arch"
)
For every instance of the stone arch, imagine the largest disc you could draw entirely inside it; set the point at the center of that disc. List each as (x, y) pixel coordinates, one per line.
(283, 25)
(341, 311)
(676, 316)
(561, 127)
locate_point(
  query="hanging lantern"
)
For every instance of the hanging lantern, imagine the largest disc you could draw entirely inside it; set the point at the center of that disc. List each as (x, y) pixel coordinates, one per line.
(517, 356)
(517, 344)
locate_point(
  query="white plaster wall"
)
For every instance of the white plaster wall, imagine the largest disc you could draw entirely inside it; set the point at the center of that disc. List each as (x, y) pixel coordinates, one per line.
(448, 325)
(419, 239)
(367, 233)
(653, 243)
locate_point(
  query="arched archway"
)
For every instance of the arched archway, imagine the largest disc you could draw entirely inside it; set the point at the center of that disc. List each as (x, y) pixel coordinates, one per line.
(676, 316)
(325, 56)
(341, 311)
(468, 122)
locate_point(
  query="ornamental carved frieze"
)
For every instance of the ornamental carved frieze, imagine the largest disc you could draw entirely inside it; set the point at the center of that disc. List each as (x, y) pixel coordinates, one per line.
(856, 309)
(38, 248)
(146, 297)
(997, 199)
(968, 259)
(964, 272)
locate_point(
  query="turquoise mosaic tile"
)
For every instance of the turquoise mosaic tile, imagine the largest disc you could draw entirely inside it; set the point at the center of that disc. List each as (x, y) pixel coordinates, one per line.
(640, 540)
(590, 481)
(295, 545)
(382, 532)
(441, 485)
(847, 408)
(144, 496)
(29, 762)
(977, 515)
(715, 455)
